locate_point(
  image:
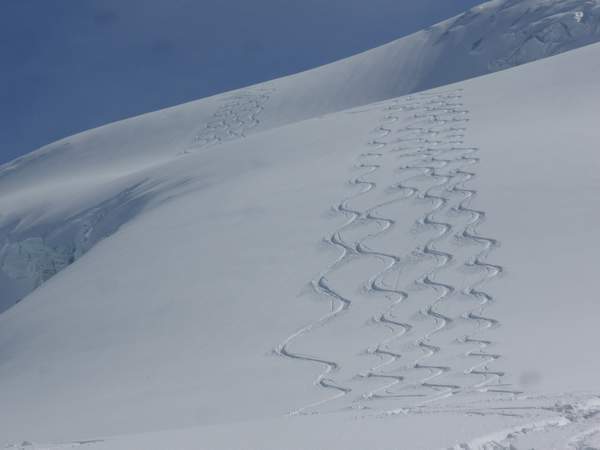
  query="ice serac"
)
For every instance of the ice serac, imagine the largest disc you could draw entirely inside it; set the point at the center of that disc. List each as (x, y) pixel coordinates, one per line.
(71, 194)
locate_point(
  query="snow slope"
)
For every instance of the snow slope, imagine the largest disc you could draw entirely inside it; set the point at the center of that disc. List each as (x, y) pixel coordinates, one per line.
(113, 166)
(420, 263)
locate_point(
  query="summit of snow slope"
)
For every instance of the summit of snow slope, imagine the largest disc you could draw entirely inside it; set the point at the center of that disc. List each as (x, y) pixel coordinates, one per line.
(116, 169)
(409, 264)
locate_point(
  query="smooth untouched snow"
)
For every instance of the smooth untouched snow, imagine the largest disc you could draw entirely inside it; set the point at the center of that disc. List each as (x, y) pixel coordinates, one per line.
(353, 280)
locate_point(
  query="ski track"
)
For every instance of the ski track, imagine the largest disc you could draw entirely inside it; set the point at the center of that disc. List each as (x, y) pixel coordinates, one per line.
(232, 120)
(428, 350)
(434, 140)
(449, 184)
(321, 286)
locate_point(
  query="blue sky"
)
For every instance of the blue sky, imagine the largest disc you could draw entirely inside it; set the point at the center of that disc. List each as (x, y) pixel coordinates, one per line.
(70, 65)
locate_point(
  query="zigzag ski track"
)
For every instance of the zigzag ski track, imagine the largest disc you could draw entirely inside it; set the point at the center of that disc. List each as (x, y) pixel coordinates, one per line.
(427, 131)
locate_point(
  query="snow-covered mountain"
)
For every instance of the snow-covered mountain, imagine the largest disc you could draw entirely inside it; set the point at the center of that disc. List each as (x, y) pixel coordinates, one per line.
(377, 264)
(108, 165)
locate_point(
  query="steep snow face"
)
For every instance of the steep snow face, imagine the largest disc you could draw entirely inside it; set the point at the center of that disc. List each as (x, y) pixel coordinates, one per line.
(454, 290)
(58, 202)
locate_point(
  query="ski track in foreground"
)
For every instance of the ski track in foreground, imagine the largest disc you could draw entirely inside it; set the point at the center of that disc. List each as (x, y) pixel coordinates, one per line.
(433, 139)
(320, 285)
(438, 113)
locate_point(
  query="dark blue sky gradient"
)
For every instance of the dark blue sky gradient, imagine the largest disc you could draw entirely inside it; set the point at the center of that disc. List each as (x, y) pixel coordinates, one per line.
(70, 65)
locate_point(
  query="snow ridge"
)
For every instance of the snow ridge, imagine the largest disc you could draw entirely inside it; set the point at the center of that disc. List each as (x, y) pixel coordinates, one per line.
(525, 31)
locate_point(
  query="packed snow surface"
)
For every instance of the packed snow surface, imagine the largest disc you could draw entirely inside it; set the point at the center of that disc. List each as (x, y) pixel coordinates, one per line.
(322, 261)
